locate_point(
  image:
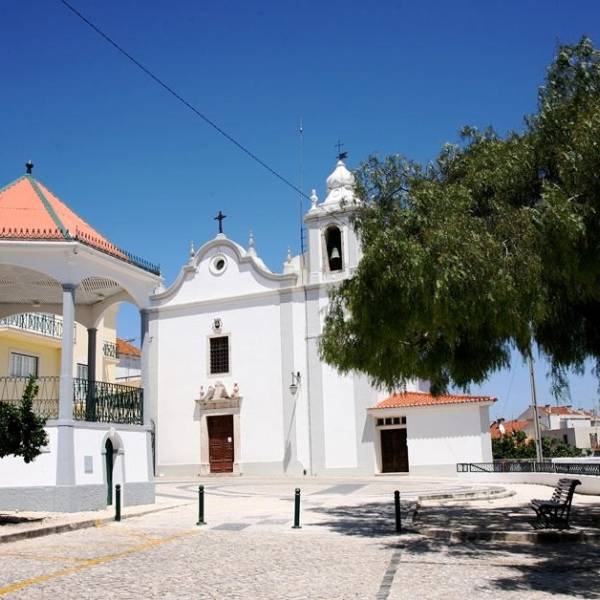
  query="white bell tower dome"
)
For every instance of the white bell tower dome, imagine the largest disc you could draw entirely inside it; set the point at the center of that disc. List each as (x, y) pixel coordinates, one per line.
(333, 248)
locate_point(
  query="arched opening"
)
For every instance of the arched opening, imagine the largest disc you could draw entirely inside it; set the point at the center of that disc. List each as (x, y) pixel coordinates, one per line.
(109, 458)
(127, 324)
(333, 245)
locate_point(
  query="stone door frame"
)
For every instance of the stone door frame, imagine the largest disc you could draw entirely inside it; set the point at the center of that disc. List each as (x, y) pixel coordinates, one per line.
(219, 408)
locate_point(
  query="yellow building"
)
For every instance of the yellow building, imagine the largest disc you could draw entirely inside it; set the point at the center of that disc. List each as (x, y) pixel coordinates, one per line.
(30, 344)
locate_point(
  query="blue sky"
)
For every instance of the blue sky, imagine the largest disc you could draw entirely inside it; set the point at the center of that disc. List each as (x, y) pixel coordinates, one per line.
(383, 77)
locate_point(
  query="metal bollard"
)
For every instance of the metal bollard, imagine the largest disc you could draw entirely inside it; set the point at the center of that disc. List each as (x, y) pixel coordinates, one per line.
(297, 509)
(117, 502)
(201, 520)
(398, 513)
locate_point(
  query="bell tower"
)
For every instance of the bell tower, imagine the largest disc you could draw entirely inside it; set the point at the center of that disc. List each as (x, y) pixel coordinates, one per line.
(333, 248)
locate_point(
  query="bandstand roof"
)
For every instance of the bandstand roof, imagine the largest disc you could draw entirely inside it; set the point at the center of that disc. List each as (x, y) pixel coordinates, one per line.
(30, 211)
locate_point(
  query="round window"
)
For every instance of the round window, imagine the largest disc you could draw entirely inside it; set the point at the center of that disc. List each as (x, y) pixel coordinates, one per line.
(218, 264)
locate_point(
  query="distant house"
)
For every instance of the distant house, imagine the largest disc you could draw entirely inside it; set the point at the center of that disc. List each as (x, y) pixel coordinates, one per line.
(503, 427)
(574, 426)
(129, 363)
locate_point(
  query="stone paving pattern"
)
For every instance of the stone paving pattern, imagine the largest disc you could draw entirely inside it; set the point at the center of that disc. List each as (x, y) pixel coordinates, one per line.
(347, 548)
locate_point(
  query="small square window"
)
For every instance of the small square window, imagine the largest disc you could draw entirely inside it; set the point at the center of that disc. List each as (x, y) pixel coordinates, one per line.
(388, 421)
(379, 422)
(403, 420)
(219, 355)
(396, 420)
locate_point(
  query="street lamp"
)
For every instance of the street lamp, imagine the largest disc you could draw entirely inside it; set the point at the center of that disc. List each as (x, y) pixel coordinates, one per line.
(295, 383)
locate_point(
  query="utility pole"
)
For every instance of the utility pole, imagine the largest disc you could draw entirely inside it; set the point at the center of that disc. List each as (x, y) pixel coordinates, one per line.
(534, 408)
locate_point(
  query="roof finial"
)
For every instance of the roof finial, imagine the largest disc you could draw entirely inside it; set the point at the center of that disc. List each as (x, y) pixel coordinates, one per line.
(29, 167)
(251, 248)
(289, 254)
(313, 199)
(192, 249)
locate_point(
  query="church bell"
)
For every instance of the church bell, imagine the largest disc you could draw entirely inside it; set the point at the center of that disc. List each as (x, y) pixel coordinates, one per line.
(335, 259)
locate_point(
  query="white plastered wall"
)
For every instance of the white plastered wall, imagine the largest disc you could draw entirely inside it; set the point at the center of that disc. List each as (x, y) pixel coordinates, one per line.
(255, 365)
(41, 471)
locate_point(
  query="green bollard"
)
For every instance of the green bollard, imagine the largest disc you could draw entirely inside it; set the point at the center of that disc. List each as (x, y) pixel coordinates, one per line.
(297, 509)
(398, 513)
(117, 502)
(201, 520)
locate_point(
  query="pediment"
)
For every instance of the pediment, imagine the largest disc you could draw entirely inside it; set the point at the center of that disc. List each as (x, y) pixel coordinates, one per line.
(221, 268)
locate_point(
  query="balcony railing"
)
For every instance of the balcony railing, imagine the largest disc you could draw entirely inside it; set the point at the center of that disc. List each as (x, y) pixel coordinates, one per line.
(100, 402)
(45, 404)
(109, 349)
(104, 402)
(43, 324)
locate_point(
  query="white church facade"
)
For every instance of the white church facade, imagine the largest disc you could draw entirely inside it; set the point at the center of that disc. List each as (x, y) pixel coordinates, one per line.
(236, 384)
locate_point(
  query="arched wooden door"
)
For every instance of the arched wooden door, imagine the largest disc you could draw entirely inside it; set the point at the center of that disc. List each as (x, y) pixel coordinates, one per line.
(109, 471)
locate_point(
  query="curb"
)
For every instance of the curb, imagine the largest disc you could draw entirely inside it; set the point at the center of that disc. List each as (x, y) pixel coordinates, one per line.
(486, 494)
(523, 537)
(66, 527)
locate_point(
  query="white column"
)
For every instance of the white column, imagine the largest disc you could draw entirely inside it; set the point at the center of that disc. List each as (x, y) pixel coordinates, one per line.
(65, 397)
(145, 383)
(65, 465)
(145, 375)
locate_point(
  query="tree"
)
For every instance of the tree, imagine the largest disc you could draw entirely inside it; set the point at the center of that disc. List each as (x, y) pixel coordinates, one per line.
(516, 446)
(493, 246)
(21, 430)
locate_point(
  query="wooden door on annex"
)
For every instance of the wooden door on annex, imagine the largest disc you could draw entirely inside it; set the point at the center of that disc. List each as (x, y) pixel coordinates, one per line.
(394, 451)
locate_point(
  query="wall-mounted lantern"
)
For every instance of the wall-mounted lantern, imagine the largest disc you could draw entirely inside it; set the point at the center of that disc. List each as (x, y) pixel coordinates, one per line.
(295, 383)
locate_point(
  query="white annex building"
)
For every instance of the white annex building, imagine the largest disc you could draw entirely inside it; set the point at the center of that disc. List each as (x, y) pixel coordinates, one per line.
(236, 383)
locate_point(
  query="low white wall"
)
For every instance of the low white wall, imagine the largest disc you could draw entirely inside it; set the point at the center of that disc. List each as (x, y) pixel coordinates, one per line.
(590, 484)
(136, 456)
(579, 459)
(131, 461)
(14, 471)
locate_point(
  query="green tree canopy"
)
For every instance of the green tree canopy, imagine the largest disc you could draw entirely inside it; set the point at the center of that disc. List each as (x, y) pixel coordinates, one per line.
(495, 245)
(516, 445)
(21, 430)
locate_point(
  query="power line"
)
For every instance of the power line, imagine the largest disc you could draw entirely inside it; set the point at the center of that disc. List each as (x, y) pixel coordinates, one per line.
(181, 99)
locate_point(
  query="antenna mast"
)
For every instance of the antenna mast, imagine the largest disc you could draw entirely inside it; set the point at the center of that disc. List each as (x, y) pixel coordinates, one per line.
(301, 195)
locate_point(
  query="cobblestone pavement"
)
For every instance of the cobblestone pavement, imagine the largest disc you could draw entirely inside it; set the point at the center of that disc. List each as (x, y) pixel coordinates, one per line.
(347, 548)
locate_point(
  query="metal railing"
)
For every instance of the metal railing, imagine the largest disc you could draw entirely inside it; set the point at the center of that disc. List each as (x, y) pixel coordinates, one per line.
(43, 324)
(530, 466)
(45, 404)
(110, 349)
(104, 402)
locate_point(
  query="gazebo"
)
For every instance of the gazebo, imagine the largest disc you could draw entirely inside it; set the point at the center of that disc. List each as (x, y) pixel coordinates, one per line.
(52, 261)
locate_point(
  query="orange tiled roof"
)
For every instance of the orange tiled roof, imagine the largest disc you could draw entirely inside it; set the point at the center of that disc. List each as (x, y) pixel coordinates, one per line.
(127, 349)
(424, 399)
(29, 210)
(509, 427)
(562, 410)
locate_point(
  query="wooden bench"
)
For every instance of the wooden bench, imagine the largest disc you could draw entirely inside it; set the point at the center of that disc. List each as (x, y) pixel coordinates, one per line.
(555, 512)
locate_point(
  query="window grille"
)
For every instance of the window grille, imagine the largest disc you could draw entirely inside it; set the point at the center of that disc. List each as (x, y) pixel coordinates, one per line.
(23, 365)
(219, 355)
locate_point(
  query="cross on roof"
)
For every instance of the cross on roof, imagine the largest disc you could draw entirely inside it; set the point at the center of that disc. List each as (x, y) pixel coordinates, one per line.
(340, 155)
(220, 218)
